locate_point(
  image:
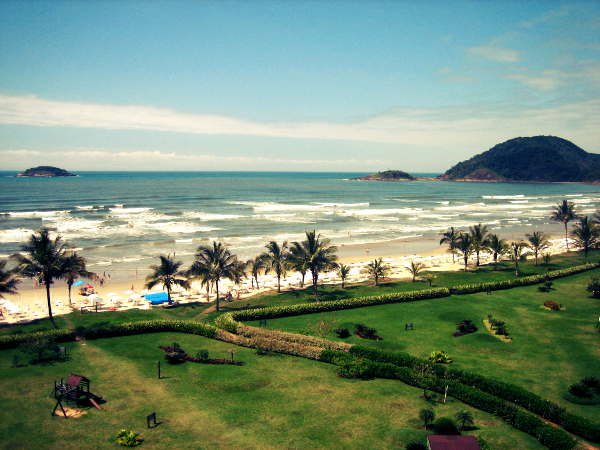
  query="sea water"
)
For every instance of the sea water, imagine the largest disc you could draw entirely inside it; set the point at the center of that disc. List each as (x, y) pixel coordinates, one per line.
(121, 221)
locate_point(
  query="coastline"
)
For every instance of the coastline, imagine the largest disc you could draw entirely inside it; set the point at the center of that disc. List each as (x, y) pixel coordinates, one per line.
(33, 300)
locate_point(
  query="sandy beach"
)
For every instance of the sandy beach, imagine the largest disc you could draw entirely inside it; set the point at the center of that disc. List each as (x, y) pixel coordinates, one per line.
(31, 301)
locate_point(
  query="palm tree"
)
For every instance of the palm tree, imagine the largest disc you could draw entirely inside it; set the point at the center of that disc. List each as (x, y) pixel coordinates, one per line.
(297, 263)
(464, 245)
(430, 277)
(75, 268)
(538, 242)
(565, 212)
(450, 238)
(464, 418)
(168, 274)
(343, 271)
(427, 416)
(8, 281)
(214, 263)
(586, 234)
(480, 239)
(414, 269)
(255, 265)
(43, 258)
(377, 269)
(275, 258)
(517, 254)
(498, 247)
(316, 254)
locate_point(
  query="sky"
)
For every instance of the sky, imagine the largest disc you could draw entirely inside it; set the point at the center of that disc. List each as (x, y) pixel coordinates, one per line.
(309, 86)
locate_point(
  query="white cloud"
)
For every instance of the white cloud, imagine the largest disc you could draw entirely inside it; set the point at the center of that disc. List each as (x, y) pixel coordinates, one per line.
(497, 54)
(447, 75)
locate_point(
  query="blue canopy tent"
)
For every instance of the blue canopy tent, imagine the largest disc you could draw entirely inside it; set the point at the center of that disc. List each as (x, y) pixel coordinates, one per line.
(157, 299)
(78, 283)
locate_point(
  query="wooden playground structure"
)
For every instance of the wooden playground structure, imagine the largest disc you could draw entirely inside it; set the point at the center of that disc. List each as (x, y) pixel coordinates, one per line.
(72, 390)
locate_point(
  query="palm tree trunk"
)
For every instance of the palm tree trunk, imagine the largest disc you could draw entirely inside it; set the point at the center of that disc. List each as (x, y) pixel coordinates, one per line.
(566, 239)
(217, 288)
(69, 285)
(516, 268)
(465, 263)
(477, 258)
(495, 262)
(169, 293)
(535, 254)
(278, 283)
(50, 306)
(315, 277)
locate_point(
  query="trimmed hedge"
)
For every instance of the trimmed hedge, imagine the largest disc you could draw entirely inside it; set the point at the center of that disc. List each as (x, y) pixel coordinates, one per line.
(228, 323)
(13, 341)
(150, 326)
(524, 281)
(549, 436)
(506, 391)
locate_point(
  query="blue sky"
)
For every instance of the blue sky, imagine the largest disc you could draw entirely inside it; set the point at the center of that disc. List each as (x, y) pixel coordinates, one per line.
(291, 85)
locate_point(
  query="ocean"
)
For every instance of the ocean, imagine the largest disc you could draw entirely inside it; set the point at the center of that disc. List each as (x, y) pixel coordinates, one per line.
(121, 221)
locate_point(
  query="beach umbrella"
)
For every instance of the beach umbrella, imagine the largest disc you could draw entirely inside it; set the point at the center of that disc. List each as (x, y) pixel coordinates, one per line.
(111, 294)
(97, 300)
(128, 292)
(158, 287)
(91, 296)
(116, 299)
(134, 296)
(78, 283)
(145, 291)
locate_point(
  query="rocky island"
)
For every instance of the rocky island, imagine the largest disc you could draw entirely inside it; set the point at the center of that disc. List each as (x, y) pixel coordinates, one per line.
(46, 171)
(388, 175)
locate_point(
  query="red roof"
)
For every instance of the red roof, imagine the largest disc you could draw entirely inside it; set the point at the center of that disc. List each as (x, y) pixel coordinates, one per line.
(453, 442)
(74, 379)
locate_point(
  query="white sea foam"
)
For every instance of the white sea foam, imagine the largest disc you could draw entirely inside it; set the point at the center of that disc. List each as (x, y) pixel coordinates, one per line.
(85, 207)
(211, 216)
(129, 210)
(15, 235)
(502, 197)
(37, 213)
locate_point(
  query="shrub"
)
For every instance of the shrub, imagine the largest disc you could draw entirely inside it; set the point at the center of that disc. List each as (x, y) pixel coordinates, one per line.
(446, 426)
(202, 354)
(552, 305)
(150, 326)
(482, 443)
(464, 327)
(38, 346)
(175, 345)
(365, 331)
(439, 357)
(342, 332)
(128, 438)
(592, 382)
(14, 340)
(580, 390)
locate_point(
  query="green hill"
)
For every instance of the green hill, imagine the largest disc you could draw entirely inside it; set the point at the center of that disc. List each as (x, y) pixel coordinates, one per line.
(532, 159)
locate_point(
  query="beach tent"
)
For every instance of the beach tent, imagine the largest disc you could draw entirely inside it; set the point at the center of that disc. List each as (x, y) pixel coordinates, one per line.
(78, 283)
(157, 299)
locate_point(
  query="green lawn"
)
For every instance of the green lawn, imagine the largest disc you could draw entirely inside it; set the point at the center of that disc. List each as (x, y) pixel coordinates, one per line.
(550, 350)
(277, 402)
(285, 402)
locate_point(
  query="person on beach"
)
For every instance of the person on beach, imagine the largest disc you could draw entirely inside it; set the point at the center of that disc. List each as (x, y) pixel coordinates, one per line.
(132, 288)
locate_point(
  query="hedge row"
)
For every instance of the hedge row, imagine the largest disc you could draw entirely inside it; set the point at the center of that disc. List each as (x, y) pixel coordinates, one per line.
(270, 344)
(260, 333)
(524, 281)
(334, 305)
(150, 326)
(506, 391)
(13, 341)
(549, 436)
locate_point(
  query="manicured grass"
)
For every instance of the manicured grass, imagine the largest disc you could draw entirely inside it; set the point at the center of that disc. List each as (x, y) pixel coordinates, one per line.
(550, 349)
(277, 402)
(284, 402)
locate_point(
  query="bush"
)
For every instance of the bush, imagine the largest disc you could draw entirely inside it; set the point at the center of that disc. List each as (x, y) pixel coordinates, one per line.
(439, 357)
(150, 326)
(342, 332)
(464, 327)
(592, 382)
(202, 355)
(38, 346)
(580, 390)
(446, 426)
(13, 341)
(128, 438)
(552, 305)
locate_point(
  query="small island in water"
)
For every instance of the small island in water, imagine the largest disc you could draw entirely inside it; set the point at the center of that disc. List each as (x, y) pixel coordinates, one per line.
(388, 175)
(46, 171)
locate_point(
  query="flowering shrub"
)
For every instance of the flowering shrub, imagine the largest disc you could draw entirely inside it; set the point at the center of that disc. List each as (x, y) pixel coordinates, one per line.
(553, 305)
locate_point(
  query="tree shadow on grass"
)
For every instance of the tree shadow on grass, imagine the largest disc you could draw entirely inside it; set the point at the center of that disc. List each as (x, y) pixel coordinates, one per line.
(49, 360)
